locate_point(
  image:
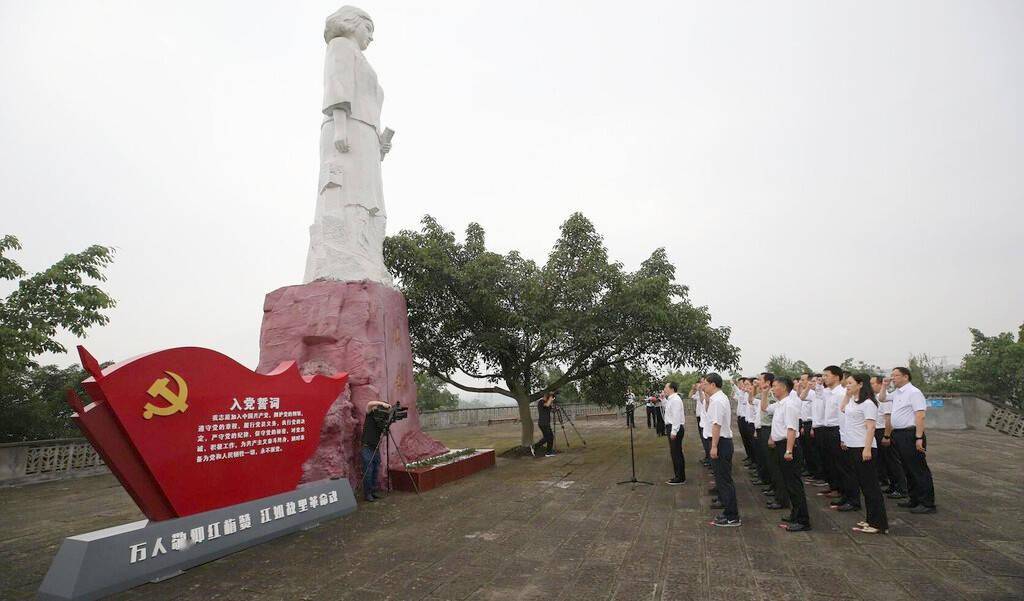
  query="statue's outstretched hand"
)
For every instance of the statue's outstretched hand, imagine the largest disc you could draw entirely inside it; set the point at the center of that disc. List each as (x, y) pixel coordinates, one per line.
(385, 148)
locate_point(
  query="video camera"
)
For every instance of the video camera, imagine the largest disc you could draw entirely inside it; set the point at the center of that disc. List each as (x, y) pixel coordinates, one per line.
(397, 413)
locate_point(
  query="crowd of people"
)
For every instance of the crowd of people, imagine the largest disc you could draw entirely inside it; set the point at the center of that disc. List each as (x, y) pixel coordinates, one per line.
(854, 439)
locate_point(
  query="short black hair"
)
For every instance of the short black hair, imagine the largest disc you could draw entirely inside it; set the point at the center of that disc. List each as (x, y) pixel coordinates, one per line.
(786, 381)
(768, 376)
(904, 371)
(673, 386)
(713, 378)
(834, 370)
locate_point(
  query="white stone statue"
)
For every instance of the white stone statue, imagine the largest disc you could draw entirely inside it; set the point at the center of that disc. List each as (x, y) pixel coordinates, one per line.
(346, 240)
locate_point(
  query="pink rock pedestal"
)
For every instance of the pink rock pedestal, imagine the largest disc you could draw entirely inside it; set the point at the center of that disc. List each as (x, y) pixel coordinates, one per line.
(361, 328)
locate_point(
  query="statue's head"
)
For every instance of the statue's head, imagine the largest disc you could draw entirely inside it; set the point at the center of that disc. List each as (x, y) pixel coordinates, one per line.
(350, 22)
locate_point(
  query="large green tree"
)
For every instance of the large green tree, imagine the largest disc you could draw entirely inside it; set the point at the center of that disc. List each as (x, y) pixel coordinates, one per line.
(433, 394)
(58, 298)
(501, 320)
(781, 365)
(994, 367)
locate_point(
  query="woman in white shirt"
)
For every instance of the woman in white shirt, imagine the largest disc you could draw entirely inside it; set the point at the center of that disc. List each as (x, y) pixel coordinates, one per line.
(860, 410)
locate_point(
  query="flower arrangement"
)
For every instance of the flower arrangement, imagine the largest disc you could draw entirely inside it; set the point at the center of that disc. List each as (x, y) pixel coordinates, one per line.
(447, 457)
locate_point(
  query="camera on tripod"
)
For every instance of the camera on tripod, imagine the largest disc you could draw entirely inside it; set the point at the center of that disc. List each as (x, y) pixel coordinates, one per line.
(397, 413)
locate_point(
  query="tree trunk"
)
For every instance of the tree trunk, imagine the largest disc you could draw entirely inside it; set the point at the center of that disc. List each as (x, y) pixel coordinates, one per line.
(526, 420)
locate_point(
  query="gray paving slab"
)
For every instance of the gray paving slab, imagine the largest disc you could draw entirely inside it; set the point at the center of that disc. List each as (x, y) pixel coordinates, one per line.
(560, 528)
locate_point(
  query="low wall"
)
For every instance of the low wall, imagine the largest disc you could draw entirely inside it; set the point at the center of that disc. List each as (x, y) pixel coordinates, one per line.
(458, 418)
(951, 411)
(41, 460)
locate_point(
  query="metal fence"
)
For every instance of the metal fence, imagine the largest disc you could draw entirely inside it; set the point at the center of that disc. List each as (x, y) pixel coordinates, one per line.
(455, 418)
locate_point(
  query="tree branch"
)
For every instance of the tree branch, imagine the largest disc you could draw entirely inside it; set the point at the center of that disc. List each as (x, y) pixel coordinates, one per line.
(447, 380)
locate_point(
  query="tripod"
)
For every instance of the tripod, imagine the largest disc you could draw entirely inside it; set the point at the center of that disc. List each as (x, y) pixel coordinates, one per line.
(561, 417)
(387, 436)
(632, 456)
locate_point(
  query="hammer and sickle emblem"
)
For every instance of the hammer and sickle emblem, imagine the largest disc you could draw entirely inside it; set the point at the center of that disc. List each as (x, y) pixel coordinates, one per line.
(177, 401)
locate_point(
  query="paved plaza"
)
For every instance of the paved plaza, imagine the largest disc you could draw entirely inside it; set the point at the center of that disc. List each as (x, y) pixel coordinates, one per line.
(560, 528)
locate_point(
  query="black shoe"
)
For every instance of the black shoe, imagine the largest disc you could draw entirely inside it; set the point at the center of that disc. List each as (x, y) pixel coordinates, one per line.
(794, 527)
(896, 494)
(776, 505)
(847, 507)
(717, 505)
(377, 496)
(837, 502)
(369, 498)
(675, 482)
(908, 504)
(757, 482)
(924, 509)
(768, 492)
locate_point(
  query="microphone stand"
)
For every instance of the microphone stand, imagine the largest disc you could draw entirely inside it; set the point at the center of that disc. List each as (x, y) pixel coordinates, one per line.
(632, 456)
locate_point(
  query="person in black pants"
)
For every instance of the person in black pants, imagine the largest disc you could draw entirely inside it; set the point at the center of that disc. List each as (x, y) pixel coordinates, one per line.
(778, 499)
(860, 408)
(789, 456)
(544, 421)
(719, 416)
(659, 417)
(675, 419)
(907, 419)
(888, 458)
(649, 406)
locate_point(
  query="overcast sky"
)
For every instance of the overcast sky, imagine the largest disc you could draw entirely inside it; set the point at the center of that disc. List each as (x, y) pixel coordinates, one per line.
(833, 179)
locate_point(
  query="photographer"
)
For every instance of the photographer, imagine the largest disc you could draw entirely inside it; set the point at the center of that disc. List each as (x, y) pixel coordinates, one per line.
(630, 409)
(373, 429)
(544, 421)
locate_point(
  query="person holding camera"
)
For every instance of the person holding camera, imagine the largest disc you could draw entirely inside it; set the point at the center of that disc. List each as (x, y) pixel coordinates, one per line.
(544, 421)
(373, 428)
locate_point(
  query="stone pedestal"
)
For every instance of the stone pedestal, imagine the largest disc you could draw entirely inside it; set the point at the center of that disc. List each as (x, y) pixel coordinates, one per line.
(361, 328)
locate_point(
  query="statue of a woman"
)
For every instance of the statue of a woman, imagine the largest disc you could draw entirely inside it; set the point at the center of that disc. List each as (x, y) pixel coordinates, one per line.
(346, 240)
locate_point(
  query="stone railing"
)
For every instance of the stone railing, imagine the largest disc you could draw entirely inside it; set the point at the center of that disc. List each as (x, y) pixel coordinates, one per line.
(1006, 420)
(958, 411)
(456, 418)
(40, 460)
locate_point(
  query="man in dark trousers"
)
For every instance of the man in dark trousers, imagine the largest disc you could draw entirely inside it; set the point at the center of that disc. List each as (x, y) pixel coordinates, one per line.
(788, 454)
(630, 408)
(544, 421)
(719, 415)
(659, 415)
(907, 419)
(674, 422)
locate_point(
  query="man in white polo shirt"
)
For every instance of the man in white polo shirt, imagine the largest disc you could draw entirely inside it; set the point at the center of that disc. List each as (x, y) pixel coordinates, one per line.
(787, 454)
(674, 420)
(907, 419)
(842, 482)
(720, 418)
